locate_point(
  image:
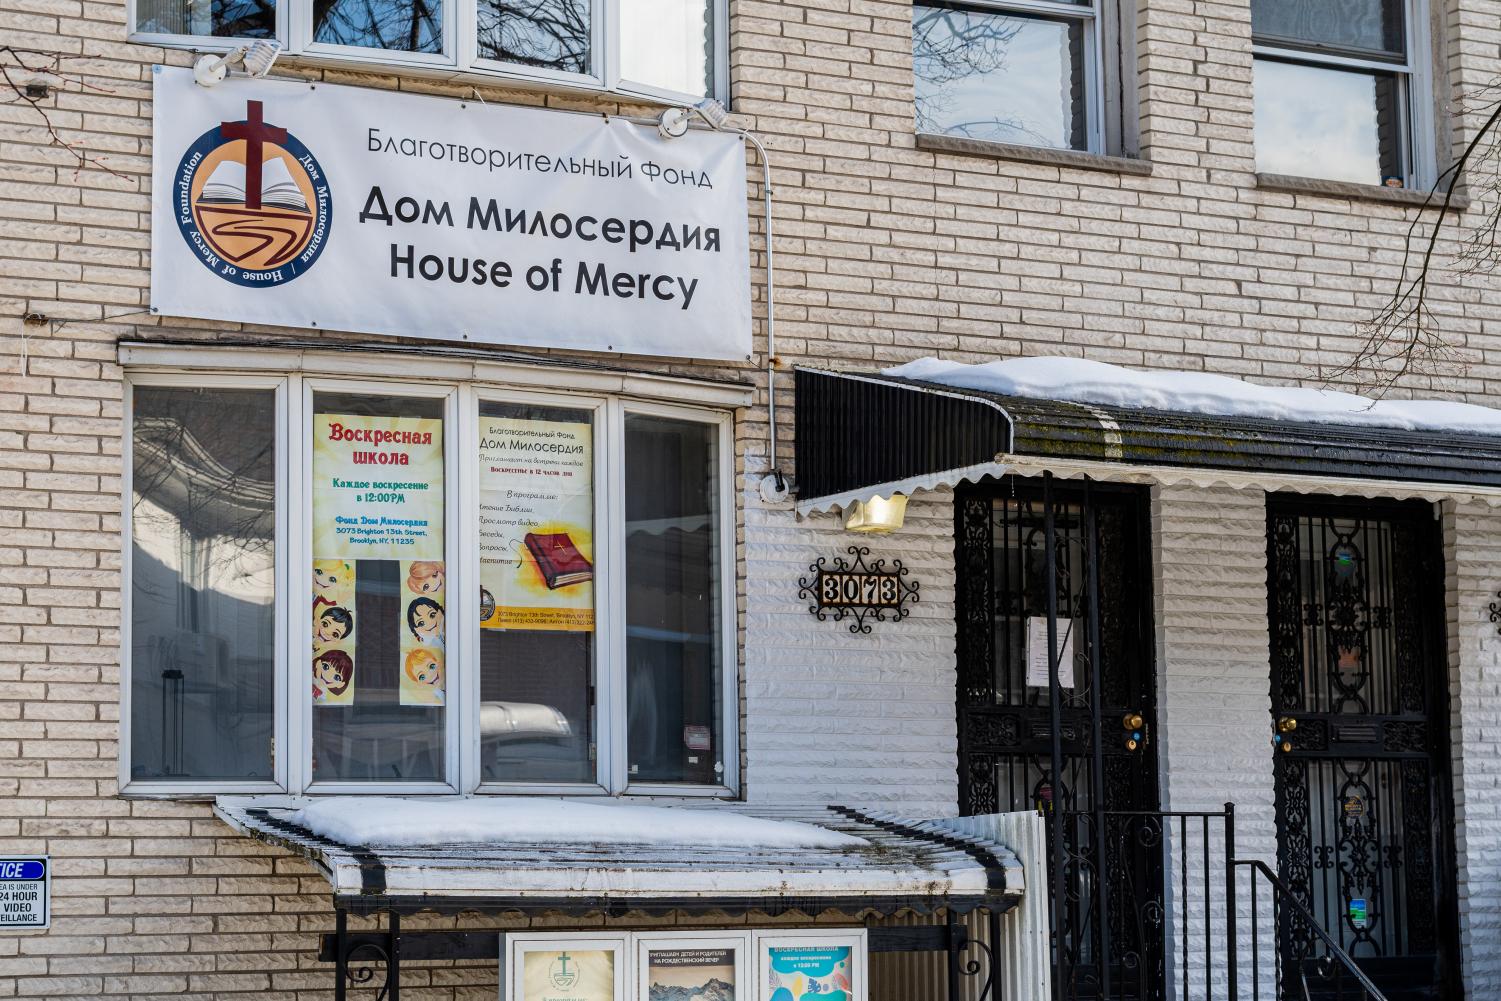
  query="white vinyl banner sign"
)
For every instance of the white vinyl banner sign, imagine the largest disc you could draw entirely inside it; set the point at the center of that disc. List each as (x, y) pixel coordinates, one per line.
(311, 205)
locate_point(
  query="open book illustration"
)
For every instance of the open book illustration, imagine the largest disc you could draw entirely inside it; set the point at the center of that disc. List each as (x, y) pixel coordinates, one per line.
(559, 559)
(226, 185)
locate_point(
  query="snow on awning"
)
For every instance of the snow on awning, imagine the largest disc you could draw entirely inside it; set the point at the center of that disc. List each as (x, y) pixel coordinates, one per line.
(832, 858)
(933, 423)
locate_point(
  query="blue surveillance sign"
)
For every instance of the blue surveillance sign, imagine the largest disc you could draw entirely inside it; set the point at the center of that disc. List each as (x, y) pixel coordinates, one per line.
(25, 891)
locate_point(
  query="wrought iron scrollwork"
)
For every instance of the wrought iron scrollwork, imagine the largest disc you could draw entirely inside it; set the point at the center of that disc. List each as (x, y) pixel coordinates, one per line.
(862, 612)
(975, 965)
(360, 970)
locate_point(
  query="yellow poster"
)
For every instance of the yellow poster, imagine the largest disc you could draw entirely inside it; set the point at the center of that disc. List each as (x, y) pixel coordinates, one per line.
(423, 673)
(377, 487)
(566, 975)
(333, 632)
(536, 524)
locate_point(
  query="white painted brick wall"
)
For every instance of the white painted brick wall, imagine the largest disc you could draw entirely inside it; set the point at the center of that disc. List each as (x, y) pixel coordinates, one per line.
(834, 717)
(1472, 539)
(1214, 701)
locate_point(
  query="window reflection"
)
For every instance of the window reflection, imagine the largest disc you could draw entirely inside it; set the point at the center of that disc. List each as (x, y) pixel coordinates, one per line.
(376, 669)
(536, 594)
(395, 25)
(203, 524)
(1369, 25)
(1350, 133)
(668, 44)
(217, 18)
(549, 34)
(674, 675)
(1000, 78)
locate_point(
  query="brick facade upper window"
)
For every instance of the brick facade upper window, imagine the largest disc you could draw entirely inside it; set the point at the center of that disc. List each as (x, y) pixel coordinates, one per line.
(1340, 90)
(1043, 73)
(667, 49)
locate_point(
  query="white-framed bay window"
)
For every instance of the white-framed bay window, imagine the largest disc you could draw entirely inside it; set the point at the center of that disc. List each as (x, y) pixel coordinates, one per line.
(667, 50)
(1343, 92)
(1019, 72)
(362, 585)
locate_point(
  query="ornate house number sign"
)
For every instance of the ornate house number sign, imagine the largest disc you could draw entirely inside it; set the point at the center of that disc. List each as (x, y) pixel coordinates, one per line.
(856, 589)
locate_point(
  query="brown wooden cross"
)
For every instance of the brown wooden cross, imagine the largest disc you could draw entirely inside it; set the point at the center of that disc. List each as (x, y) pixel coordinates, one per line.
(256, 133)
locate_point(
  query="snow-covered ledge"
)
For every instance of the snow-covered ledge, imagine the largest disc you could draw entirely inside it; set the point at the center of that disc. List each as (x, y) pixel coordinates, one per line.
(1078, 380)
(555, 855)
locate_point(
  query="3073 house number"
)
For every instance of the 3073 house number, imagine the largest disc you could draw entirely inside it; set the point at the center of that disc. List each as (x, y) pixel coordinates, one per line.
(863, 591)
(859, 589)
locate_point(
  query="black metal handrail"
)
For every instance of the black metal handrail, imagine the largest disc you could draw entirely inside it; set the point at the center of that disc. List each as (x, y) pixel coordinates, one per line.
(1285, 897)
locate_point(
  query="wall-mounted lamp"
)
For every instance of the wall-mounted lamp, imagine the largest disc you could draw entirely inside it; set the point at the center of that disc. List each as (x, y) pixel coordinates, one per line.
(876, 516)
(257, 58)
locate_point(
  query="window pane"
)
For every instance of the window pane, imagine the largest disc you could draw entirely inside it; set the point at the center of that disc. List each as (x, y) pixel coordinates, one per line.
(202, 584)
(999, 77)
(1349, 132)
(1368, 25)
(674, 677)
(550, 34)
(668, 44)
(536, 596)
(219, 18)
(396, 25)
(377, 669)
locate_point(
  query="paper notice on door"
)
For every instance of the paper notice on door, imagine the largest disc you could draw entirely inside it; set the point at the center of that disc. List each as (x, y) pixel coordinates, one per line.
(1038, 652)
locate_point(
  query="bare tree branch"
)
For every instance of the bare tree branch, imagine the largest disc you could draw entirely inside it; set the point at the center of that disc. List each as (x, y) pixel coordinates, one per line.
(1403, 336)
(33, 65)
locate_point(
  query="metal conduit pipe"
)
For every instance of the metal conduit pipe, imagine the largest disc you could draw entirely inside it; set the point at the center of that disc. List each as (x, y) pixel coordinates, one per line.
(714, 115)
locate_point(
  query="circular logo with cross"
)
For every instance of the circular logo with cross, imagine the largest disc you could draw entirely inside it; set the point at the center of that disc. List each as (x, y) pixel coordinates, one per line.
(252, 202)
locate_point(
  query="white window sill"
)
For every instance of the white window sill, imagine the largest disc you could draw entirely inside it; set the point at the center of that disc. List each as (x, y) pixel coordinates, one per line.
(404, 66)
(1358, 192)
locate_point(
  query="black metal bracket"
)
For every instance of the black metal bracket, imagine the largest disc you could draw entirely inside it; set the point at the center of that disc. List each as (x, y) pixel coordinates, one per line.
(355, 957)
(953, 939)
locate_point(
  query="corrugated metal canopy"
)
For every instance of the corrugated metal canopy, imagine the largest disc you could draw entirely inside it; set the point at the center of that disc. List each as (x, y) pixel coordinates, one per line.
(922, 865)
(857, 431)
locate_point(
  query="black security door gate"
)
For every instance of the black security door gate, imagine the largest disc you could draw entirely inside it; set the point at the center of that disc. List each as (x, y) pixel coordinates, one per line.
(1065, 567)
(1359, 705)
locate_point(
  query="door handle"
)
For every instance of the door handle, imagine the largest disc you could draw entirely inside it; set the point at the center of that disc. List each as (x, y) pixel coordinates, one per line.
(1285, 726)
(1136, 730)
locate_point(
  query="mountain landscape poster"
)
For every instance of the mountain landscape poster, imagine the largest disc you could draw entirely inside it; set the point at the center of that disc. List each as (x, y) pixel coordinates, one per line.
(691, 975)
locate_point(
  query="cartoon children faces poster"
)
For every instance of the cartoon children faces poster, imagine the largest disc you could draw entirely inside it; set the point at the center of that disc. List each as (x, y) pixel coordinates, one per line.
(378, 497)
(333, 632)
(423, 674)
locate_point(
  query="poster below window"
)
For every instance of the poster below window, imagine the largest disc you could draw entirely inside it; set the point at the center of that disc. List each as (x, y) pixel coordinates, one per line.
(811, 966)
(810, 973)
(423, 674)
(690, 975)
(377, 487)
(1039, 669)
(536, 524)
(564, 967)
(693, 966)
(569, 975)
(333, 632)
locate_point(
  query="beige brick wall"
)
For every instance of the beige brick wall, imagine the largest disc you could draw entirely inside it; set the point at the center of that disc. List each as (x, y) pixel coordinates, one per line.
(886, 252)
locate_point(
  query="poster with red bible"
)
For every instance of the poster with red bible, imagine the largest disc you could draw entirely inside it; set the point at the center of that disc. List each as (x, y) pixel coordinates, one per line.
(536, 524)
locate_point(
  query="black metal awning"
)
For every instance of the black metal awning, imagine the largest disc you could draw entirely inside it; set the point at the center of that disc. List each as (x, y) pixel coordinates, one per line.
(858, 431)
